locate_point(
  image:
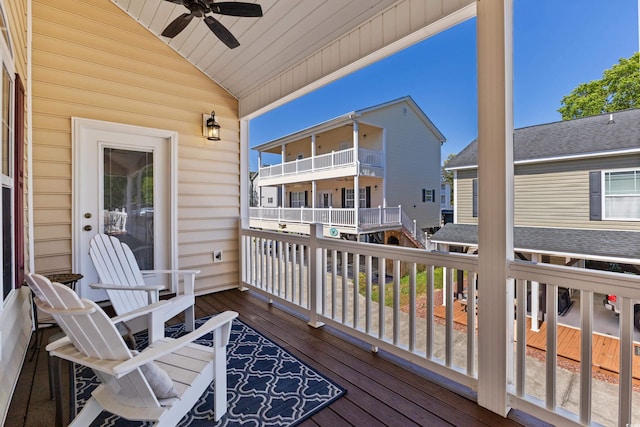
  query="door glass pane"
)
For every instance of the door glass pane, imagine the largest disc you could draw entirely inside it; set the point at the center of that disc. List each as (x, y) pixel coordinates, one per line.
(128, 201)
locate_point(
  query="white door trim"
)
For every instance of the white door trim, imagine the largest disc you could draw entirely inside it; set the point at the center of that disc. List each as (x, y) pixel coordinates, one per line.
(80, 126)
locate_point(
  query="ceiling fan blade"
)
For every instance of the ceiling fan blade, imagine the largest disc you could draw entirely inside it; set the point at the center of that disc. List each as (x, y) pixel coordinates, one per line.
(177, 25)
(236, 9)
(221, 32)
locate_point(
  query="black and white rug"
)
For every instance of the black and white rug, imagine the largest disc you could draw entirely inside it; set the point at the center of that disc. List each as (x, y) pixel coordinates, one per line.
(266, 385)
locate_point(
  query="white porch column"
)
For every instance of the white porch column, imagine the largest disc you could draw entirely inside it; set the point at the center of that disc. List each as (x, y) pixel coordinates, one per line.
(283, 199)
(259, 187)
(495, 202)
(356, 181)
(283, 155)
(313, 145)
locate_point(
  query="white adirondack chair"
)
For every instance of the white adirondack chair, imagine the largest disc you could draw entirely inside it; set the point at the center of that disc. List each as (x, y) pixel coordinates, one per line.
(129, 379)
(123, 281)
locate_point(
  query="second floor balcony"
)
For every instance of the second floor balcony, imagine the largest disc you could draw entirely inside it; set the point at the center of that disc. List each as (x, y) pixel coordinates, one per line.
(324, 166)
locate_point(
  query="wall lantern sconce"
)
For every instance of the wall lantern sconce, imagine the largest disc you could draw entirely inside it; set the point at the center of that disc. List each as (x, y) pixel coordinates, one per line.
(211, 128)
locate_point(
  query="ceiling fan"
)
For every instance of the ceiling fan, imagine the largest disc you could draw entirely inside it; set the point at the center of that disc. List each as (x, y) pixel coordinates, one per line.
(200, 8)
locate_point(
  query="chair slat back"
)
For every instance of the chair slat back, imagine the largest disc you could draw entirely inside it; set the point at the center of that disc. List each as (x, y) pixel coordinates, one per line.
(116, 265)
(93, 334)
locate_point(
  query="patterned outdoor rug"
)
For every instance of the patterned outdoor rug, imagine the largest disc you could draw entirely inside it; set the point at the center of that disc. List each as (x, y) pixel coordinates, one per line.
(266, 385)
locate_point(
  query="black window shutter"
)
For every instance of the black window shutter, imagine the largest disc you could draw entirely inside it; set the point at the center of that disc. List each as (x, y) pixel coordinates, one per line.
(433, 195)
(475, 197)
(343, 197)
(306, 200)
(595, 196)
(290, 199)
(367, 197)
(424, 195)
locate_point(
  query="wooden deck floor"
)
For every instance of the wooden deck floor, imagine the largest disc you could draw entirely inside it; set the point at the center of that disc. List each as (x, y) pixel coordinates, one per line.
(380, 390)
(606, 349)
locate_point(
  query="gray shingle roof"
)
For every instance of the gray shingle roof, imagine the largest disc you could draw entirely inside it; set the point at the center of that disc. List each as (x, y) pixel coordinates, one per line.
(591, 243)
(566, 138)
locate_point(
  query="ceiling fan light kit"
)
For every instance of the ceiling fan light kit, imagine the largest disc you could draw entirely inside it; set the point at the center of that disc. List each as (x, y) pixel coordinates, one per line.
(200, 9)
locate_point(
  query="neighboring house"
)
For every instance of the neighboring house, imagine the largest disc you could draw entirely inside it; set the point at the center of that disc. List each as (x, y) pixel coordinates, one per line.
(365, 172)
(576, 192)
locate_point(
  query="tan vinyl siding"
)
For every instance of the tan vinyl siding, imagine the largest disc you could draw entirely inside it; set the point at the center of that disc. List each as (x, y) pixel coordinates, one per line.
(86, 65)
(15, 314)
(556, 194)
(464, 198)
(552, 194)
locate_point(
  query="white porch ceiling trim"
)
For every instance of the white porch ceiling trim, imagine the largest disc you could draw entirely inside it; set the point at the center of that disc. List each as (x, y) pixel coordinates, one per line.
(402, 25)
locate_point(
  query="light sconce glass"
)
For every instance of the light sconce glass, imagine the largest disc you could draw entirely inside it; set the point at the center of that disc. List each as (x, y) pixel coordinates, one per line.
(211, 128)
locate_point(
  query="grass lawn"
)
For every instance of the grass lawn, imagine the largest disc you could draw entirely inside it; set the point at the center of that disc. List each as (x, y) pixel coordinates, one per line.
(421, 287)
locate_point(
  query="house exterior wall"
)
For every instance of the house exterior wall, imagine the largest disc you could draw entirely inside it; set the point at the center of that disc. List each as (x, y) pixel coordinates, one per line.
(464, 196)
(552, 194)
(15, 313)
(84, 65)
(412, 162)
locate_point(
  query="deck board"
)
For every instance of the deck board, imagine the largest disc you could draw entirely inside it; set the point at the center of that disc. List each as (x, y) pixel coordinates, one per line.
(605, 349)
(380, 389)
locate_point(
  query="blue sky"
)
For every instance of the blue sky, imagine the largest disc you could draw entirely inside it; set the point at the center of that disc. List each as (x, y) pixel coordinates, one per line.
(558, 44)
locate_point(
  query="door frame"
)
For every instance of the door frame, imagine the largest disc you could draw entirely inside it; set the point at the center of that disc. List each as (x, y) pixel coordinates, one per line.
(79, 127)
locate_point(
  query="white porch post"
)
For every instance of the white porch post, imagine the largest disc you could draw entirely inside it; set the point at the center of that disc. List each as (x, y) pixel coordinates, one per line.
(313, 151)
(315, 275)
(495, 202)
(259, 187)
(356, 181)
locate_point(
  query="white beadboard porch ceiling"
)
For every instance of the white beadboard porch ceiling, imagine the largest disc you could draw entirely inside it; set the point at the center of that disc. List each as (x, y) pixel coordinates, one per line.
(298, 45)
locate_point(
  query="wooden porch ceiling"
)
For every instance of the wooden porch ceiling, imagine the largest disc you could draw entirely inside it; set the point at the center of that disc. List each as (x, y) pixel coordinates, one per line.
(380, 390)
(298, 46)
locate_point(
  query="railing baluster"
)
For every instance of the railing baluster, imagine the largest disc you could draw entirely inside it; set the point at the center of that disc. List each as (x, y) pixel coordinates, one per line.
(356, 290)
(413, 271)
(586, 355)
(345, 288)
(396, 301)
(521, 335)
(334, 279)
(552, 349)
(368, 295)
(471, 321)
(382, 276)
(448, 289)
(430, 311)
(626, 363)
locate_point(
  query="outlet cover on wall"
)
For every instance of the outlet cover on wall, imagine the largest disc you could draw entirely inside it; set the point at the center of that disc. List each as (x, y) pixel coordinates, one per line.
(217, 256)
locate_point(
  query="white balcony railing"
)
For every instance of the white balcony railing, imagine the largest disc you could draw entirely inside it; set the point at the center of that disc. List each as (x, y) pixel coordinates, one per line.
(338, 283)
(331, 160)
(367, 217)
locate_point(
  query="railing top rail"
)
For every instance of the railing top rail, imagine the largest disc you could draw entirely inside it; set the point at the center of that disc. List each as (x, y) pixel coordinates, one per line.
(625, 285)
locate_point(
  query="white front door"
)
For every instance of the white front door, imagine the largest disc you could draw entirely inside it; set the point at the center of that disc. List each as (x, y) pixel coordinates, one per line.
(124, 187)
(325, 199)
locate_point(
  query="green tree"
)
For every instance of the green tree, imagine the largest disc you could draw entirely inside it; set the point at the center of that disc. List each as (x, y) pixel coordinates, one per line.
(618, 89)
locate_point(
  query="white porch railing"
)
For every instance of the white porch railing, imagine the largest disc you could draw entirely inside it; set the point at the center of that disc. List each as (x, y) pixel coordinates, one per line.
(367, 217)
(334, 282)
(322, 162)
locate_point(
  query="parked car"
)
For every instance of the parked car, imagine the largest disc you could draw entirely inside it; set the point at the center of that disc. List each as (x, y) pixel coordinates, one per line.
(611, 303)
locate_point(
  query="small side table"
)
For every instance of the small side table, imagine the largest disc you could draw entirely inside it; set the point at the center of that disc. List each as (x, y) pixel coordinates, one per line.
(69, 279)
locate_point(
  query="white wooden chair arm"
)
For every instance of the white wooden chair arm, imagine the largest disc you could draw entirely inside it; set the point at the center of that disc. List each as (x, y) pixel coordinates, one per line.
(142, 311)
(148, 288)
(162, 348)
(188, 275)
